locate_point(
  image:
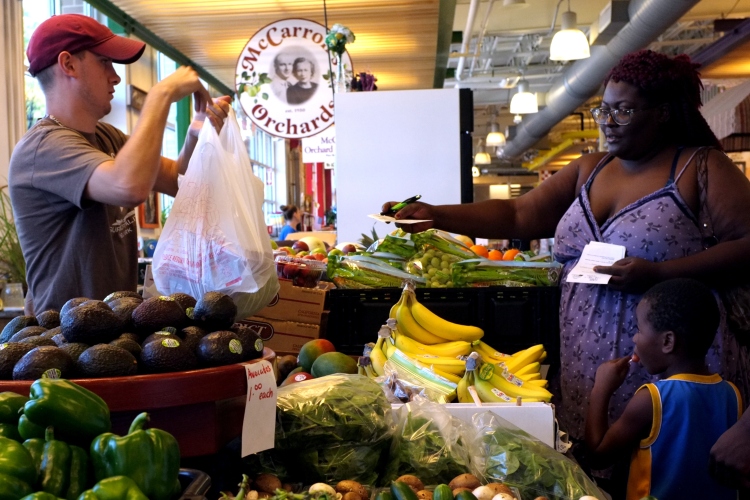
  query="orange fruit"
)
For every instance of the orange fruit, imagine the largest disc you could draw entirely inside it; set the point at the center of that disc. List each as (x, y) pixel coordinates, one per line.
(480, 250)
(495, 255)
(510, 254)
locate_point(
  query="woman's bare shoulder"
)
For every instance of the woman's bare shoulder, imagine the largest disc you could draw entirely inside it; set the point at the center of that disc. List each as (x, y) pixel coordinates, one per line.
(585, 165)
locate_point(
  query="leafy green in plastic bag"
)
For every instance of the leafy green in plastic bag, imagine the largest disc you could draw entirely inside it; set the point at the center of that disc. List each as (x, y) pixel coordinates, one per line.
(511, 456)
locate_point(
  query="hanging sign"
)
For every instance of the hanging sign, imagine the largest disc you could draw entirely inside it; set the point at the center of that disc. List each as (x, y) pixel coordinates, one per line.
(282, 78)
(320, 148)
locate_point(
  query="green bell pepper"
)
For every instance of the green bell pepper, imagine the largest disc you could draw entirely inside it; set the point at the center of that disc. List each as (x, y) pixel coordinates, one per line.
(12, 488)
(114, 488)
(77, 414)
(10, 404)
(41, 495)
(150, 457)
(16, 461)
(28, 429)
(10, 431)
(62, 468)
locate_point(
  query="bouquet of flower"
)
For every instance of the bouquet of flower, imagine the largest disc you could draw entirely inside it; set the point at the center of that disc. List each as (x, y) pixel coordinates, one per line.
(338, 37)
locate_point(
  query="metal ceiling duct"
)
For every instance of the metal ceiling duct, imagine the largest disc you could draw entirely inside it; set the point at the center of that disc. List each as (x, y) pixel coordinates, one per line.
(648, 19)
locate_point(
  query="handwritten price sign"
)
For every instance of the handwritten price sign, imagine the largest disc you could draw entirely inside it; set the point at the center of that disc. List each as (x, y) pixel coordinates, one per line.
(259, 425)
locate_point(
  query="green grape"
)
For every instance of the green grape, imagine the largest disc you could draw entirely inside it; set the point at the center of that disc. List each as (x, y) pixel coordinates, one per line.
(435, 262)
(445, 265)
(449, 284)
(432, 271)
(447, 257)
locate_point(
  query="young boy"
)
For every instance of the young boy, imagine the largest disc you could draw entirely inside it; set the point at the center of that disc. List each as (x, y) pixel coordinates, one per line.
(668, 426)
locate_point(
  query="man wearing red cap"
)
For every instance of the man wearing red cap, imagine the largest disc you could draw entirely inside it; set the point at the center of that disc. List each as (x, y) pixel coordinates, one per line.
(75, 180)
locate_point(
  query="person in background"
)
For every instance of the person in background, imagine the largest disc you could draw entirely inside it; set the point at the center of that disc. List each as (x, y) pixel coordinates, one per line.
(304, 72)
(668, 426)
(730, 457)
(283, 64)
(642, 194)
(74, 180)
(293, 219)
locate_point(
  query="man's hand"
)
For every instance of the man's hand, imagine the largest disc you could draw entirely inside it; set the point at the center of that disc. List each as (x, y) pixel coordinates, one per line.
(729, 462)
(216, 112)
(183, 82)
(611, 375)
(631, 274)
(415, 210)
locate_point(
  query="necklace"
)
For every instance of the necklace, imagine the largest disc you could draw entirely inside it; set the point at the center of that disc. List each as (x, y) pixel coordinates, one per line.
(101, 147)
(52, 117)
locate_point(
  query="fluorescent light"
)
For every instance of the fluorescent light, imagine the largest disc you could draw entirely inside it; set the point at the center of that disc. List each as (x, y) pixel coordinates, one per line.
(514, 4)
(523, 102)
(495, 137)
(569, 43)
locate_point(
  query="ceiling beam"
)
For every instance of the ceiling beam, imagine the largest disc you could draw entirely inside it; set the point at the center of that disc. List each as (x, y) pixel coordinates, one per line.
(724, 45)
(134, 27)
(446, 13)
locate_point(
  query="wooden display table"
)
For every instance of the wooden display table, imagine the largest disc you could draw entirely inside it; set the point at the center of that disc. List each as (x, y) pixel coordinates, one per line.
(203, 409)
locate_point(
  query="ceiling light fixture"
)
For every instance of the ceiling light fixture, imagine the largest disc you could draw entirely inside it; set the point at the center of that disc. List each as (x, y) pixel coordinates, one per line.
(481, 157)
(495, 137)
(475, 171)
(524, 101)
(569, 43)
(514, 4)
(517, 119)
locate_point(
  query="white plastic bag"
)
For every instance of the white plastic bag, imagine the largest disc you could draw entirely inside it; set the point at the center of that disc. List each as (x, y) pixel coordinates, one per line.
(215, 238)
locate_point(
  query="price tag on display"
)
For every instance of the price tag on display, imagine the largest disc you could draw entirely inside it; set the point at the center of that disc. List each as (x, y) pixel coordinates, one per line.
(259, 425)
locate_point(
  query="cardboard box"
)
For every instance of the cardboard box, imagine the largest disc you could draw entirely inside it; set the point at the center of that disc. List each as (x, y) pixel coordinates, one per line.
(283, 337)
(537, 419)
(295, 303)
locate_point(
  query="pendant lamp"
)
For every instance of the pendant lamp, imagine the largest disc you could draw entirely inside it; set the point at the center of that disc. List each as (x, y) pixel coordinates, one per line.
(523, 102)
(481, 157)
(569, 43)
(514, 4)
(495, 137)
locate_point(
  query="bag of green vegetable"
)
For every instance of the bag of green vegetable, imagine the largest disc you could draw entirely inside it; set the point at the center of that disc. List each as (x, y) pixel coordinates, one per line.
(330, 429)
(484, 272)
(362, 271)
(504, 453)
(428, 443)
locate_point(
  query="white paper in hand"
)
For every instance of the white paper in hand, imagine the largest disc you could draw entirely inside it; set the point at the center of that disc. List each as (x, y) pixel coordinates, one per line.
(595, 254)
(259, 425)
(388, 218)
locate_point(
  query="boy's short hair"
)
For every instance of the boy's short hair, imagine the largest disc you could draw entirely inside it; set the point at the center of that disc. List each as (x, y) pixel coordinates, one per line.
(688, 308)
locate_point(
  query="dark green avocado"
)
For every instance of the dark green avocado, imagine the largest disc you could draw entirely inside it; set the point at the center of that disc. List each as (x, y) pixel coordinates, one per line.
(220, 348)
(29, 331)
(106, 360)
(10, 353)
(167, 355)
(215, 311)
(184, 300)
(129, 345)
(158, 312)
(44, 361)
(75, 349)
(49, 319)
(123, 309)
(123, 294)
(90, 324)
(15, 325)
(71, 304)
(38, 340)
(192, 336)
(160, 335)
(252, 344)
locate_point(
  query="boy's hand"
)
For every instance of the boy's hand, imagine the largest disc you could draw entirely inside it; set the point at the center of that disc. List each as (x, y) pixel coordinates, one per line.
(611, 375)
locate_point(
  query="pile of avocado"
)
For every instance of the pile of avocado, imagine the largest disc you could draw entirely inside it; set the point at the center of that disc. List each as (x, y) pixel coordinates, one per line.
(126, 335)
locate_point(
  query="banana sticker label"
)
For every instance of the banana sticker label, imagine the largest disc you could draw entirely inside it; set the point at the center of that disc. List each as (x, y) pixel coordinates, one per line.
(500, 394)
(513, 379)
(486, 371)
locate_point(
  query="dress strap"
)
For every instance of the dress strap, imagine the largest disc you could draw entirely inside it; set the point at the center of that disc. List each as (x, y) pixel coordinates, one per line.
(606, 159)
(671, 179)
(690, 159)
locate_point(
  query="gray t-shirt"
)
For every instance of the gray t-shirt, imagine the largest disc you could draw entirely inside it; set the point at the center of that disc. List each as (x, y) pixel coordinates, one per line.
(74, 247)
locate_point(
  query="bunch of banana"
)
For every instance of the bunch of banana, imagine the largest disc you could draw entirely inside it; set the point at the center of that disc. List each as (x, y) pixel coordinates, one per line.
(524, 364)
(496, 385)
(364, 367)
(469, 379)
(444, 349)
(424, 326)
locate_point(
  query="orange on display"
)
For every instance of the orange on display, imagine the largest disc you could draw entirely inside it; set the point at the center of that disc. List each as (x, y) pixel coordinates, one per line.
(495, 255)
(480, 250)
(511, 254)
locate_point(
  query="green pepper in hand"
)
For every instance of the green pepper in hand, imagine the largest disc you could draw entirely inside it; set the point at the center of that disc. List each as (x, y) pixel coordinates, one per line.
(114, 488)
(62, 468)
(150, 457)
(77, 414)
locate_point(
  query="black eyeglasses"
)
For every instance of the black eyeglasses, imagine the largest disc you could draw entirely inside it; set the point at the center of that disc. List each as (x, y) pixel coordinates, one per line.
(619, 115)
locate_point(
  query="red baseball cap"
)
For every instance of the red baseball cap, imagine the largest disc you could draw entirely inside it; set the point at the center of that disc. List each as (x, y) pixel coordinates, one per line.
(74, 33)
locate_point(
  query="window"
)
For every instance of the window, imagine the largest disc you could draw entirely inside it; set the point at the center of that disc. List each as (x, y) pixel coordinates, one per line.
(34, 13)
(171, 144)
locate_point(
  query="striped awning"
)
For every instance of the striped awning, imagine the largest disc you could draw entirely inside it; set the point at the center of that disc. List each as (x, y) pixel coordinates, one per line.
(728, 113)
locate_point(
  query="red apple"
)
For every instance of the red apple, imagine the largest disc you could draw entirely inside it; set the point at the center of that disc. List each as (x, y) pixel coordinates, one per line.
(348, 249)
(310, 256)
(319, 256)
(300, 245)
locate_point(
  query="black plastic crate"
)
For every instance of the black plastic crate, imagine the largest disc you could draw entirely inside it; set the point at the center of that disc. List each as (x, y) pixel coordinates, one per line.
(512, 318)
(195, 484)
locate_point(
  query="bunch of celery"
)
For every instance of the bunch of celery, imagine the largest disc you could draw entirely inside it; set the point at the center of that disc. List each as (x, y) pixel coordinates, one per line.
(482, 272)
(443, 242)
(362, 271)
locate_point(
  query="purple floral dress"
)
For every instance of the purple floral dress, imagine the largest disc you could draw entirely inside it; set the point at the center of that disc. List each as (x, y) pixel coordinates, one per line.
(597, 324)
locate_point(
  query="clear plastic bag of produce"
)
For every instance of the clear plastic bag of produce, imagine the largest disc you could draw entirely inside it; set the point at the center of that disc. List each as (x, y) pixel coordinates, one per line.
(484, 272)
(429, 443)
(409, 380)
(504, 453)
(395, 245)
(362, 271)
(215, 238)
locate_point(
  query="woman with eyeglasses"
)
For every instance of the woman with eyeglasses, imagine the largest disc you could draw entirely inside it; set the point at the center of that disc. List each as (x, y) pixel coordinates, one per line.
(643, 194)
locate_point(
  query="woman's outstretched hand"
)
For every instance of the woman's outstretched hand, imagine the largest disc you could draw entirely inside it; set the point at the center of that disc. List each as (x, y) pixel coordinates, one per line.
(415, 210)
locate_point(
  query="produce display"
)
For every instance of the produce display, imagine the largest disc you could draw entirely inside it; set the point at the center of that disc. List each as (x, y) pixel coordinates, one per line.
(446, 359)
(126, 335)
(435, 259)
(76, 457)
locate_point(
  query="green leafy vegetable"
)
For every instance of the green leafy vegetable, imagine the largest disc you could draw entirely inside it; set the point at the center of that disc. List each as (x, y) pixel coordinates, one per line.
(484, 272)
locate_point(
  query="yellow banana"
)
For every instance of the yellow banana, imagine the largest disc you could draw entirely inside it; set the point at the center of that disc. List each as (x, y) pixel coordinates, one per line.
(462, 388)
(523, 358)
(488, 353)
(441, 327)
(360, 367)
(395, 307)
(409, 326)
(538, 383)
(446, 349)
(523, 390)
(543, 356)
(446, 375)
(529, 369)
(389, 348)
(450, 365)
(378, 359)
(489, 393)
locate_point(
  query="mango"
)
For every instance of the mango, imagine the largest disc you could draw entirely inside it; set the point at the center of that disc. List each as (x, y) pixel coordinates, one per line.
(333, 362)
(310, 352)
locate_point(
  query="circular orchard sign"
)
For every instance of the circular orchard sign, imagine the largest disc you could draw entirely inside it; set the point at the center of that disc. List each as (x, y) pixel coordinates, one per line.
(283, 78)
